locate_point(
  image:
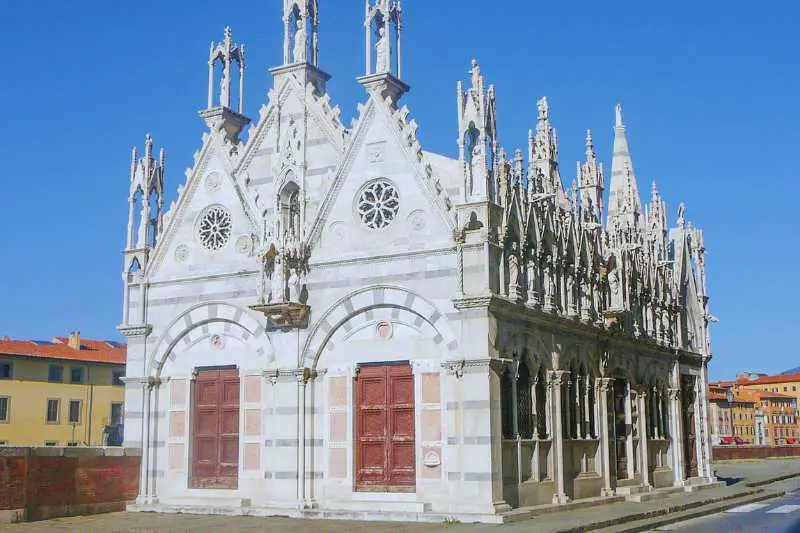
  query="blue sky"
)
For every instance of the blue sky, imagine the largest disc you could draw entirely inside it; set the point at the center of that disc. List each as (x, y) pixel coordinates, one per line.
(710, 93)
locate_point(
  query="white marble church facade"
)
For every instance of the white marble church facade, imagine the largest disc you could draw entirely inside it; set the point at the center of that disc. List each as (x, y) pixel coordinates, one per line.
(331, 321)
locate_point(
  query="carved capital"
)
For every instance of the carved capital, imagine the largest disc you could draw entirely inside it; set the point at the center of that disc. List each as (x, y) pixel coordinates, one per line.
(673, 393)
(604, 384)
(556, 378)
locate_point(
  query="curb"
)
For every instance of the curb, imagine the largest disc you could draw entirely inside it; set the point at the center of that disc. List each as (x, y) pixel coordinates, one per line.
(673, 518)
(655, 514)
(767, 481)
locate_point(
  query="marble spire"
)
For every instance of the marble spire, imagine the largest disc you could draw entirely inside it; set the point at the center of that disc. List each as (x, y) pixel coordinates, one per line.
(624, 203)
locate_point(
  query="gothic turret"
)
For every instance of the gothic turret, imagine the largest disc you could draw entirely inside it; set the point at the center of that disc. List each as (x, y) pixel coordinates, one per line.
(625, 221)
(301, 45)
(219, 115)
(477, 139)
(146, 203)
(591, 183)
(383, 26)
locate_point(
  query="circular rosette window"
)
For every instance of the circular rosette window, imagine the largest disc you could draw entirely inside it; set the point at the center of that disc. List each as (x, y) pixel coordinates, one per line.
(378, 204)
(214, 228)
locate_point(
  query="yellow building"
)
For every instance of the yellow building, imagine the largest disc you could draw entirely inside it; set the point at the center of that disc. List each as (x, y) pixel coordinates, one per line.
(64, 392)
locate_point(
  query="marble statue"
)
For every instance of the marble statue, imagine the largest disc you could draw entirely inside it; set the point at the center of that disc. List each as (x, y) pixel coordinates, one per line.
(382, 63)
(300, 42)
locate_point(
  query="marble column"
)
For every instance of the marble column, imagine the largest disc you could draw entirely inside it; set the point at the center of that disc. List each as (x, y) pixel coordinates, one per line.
(643, 447)
(145, 460)
(557, 380)
(703, 435)
(602, 386)
(676, 436)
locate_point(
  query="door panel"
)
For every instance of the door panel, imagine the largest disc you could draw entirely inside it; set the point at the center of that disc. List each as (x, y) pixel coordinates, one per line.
(689, 430)
(385, 449)
(215, 429)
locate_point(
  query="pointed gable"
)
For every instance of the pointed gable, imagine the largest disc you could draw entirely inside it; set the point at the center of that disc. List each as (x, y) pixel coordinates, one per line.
(383, 169)
(211, 227)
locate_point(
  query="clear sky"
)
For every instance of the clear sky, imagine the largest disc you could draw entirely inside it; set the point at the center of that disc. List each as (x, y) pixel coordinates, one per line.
(710, 93)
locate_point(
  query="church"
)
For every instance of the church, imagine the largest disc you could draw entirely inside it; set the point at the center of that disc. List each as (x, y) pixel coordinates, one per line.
(331, 321)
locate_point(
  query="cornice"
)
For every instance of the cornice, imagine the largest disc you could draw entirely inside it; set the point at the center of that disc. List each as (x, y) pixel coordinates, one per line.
(137, 330)
(459, 367)
(450, 250)
(504, 308)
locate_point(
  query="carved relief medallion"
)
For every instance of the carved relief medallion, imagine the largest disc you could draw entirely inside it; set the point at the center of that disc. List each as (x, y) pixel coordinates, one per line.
(217, 342)
(337, 234)
(375, 152)
(181, 253)
(418, 219)
(244, 244)
(213, 182)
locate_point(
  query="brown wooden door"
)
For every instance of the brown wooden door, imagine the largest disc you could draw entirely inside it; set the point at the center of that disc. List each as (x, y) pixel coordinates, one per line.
(689, 430)
(215, 429)
(620, 394)
(385, 447)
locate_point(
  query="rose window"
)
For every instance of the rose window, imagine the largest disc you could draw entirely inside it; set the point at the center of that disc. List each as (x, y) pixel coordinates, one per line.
(215, 228)
(378, 204)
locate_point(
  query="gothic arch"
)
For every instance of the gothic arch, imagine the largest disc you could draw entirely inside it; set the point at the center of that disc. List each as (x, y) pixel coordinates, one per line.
(364, 300)
(187, 328)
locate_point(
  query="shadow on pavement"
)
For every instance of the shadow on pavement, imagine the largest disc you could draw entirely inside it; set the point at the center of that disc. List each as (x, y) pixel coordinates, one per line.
(729, 480)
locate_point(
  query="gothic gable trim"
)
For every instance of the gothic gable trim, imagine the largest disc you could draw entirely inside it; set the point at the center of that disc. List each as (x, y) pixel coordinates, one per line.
(406, 140)
(212, 142)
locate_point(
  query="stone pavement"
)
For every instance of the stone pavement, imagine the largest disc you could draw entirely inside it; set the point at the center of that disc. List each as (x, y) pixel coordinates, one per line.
(739, 474)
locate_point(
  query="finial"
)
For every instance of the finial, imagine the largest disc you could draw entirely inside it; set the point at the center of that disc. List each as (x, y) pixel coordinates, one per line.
(654, 189)
(618, 111)
(227, 33)
(541, 104)
(589, 144)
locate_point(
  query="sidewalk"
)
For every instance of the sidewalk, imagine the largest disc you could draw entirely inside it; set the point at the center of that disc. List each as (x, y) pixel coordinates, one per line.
(740, 474)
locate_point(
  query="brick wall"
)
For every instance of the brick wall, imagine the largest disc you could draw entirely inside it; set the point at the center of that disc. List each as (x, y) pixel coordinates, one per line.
(41, 483)
(727, 453)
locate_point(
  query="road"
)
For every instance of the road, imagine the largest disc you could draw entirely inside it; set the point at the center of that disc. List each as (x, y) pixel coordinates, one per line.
(781, 515)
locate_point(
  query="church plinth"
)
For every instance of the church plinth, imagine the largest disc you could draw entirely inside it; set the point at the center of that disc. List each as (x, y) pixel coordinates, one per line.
(285, 314)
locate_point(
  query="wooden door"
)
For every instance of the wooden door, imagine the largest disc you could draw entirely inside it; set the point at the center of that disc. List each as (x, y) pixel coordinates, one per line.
(689, 430)
(385, 446)
(215, 429)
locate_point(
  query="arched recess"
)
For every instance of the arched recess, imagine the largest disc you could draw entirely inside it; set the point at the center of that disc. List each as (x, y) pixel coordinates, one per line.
(187, 329)
(364, 300)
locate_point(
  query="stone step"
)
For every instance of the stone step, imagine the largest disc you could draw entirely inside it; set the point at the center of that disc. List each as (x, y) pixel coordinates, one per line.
(525, 513)
(378, 505)
(231, 502)
(630, 490)
(655, 494)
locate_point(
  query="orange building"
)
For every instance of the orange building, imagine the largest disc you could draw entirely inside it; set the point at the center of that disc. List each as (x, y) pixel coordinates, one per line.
(780, 417)
(733, 415)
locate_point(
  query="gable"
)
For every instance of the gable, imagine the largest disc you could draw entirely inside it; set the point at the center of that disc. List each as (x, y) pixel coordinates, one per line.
(211, 229)
(382, 201)
(298, 138)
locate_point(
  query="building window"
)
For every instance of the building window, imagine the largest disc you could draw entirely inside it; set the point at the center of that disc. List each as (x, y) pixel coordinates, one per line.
(5, 370)
(72, 444)
(76, 374)
(116, 414)
(52, 411)
(74, 411)
(55, 374)
(3, 443)
(51, 443)
(4, 411)
(116, 377)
